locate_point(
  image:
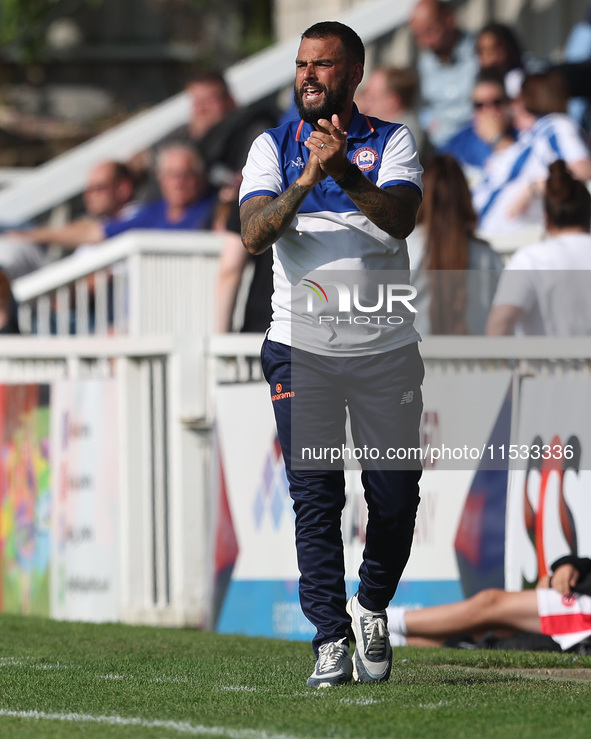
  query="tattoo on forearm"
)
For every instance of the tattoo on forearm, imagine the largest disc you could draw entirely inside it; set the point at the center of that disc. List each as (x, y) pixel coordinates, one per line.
(262, 226)
(393, 212)
(265, 219)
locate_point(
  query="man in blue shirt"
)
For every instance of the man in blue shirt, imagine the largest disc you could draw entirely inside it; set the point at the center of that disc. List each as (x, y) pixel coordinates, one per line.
(447, 67)
(185, 204)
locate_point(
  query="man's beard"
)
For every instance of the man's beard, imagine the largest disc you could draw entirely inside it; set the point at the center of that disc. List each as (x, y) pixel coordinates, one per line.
(334, 102)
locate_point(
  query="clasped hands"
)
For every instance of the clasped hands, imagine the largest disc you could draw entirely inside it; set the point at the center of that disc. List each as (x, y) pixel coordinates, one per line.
(328, 152)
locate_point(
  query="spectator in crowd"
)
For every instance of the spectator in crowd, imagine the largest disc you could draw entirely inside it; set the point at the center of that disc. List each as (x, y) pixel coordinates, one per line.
(577, 49)
(455, 273)
(8, 313)
(390, 94)
(109, 191)
(186, 203)
(546, 288)
(497, 48)
(510, 195)
(223, 134)
(490, 129)
(256, 313)
(539, 611)
(447, 68)
(108, 195)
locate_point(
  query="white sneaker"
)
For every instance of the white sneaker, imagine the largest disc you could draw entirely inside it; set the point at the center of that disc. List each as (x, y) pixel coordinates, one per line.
(333, 666)
(372, 659)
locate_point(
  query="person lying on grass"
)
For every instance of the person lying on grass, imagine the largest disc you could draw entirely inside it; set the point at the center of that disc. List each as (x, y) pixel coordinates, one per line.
(560, 607)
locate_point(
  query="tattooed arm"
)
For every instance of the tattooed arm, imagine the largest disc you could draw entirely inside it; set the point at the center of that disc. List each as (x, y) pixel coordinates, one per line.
(263, 219)
(393, 209)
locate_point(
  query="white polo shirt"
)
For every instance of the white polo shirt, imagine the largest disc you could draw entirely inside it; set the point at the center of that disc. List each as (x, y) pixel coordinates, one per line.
(330, 238)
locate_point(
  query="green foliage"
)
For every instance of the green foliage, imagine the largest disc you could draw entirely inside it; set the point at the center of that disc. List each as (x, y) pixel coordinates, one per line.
(252, 19)
(70, 679)
(23, 23)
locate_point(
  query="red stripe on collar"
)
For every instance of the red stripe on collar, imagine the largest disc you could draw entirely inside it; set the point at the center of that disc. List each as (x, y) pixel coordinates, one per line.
(298, 132)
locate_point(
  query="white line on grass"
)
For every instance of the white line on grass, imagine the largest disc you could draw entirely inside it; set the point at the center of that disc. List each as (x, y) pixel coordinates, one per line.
(45, 666)
(183, 727)
(361, 701)
(239, 688)
(441, 704)
(27, 662)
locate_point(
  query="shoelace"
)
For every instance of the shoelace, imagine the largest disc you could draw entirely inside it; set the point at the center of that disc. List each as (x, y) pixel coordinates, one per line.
(376, 635)
(329, 655)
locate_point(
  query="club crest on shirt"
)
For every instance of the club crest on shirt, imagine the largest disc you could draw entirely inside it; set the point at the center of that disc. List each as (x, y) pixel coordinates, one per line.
(366, 158)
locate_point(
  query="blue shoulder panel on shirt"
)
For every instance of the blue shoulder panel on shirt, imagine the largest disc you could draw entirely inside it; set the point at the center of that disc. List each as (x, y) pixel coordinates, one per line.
(367, 139)
(405, 183)
(256, 193)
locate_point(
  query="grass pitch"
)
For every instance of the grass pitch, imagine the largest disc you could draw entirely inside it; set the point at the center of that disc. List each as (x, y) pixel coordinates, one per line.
(82, 680)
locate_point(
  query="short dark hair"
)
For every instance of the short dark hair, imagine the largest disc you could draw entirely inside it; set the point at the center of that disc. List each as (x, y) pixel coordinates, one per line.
(209, 77)
(508, 40)
(545, 93)
(352, 44)
(492, 76)
(567, 201)
(122, 172)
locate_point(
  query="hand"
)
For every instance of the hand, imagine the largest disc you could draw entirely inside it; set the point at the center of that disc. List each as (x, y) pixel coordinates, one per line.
(525, 198)
(329, 144)
(521, 203)
(312, 173)
(15, 235)
(564, 579)
(490, 125)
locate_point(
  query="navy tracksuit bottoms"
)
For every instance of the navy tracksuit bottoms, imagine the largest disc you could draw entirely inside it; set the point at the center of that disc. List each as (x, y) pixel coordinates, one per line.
(310, 395)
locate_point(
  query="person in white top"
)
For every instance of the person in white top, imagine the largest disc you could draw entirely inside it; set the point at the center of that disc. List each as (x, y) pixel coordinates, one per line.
(544, 288)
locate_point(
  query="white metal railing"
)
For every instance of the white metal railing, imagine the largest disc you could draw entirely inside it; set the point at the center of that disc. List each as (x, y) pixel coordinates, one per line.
(11, 175)
(250, 80)
(165, 417)
(484, 351)
(163, 485)
(144, 282)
